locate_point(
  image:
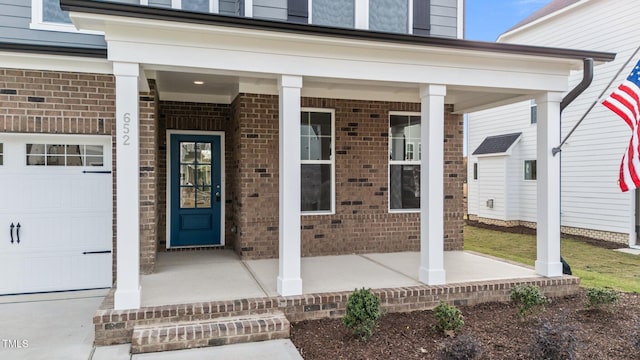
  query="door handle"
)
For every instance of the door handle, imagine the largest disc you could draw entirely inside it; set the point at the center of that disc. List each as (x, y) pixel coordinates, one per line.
(217, 196)
(11, 231)
(18, 232)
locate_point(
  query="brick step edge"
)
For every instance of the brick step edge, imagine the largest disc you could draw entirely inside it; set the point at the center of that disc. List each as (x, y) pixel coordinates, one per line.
(220, 331)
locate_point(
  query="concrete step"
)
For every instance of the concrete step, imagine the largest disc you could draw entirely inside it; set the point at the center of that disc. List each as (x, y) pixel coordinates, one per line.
(212, 332)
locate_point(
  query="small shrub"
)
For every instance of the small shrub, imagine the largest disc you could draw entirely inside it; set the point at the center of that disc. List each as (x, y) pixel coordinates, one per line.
(598, 298)
(448, 318)
(529, 298)
(463, 347)
(554, 341)
(363, 312)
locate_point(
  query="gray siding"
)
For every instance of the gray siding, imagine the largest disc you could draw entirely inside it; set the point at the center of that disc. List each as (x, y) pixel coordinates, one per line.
(15, 17)
(270, 9)
(444, 20)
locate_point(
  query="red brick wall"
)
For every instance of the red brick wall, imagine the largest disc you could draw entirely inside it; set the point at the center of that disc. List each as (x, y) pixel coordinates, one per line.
(361, 222)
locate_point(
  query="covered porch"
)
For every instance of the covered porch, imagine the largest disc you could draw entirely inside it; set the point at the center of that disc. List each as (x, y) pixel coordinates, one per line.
(219, 275)
(283, 66)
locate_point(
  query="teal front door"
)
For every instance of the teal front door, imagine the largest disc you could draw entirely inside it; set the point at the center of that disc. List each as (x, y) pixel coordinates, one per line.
(196, 192)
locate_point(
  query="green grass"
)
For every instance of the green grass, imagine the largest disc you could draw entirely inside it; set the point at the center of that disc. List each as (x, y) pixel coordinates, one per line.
(595, 266)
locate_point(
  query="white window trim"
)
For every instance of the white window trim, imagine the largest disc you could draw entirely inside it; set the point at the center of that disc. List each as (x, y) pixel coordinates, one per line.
(332, 161)
(400, 162)
(214, 5)
(38, 23)
(361, 10)
(248, 8)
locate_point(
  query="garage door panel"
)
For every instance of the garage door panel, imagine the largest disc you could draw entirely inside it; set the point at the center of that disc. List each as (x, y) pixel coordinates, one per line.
(43, 194)
(44, 233)
(62, 212)
(87, 191)
(87, 270)
(90, 233)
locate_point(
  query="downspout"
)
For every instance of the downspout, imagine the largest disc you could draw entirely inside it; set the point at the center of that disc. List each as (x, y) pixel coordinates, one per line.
(587, 78)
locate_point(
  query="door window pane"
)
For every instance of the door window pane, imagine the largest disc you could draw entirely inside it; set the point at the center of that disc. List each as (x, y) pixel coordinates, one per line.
(203, 197)
(316, 187)
(338, 13)
(187, 152)
(389, 15)
(187, 198)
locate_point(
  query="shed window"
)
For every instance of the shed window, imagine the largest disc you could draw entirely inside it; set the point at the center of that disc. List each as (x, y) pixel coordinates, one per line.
(530, 171)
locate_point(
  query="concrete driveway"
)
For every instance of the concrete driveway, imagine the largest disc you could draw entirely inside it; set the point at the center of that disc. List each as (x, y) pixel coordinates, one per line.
(58, 326)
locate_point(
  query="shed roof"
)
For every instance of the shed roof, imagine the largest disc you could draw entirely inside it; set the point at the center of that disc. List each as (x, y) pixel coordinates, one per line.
(497, 144)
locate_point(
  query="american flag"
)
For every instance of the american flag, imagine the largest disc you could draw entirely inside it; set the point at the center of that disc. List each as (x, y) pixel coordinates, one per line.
(625, 101)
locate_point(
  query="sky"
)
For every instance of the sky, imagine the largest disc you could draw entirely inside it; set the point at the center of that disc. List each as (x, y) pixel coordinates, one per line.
(487, 19)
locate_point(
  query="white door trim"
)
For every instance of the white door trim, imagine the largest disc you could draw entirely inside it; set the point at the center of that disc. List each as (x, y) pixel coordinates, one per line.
(222, 181)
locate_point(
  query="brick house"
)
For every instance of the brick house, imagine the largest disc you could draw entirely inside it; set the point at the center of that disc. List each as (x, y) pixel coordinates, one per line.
(278, 132)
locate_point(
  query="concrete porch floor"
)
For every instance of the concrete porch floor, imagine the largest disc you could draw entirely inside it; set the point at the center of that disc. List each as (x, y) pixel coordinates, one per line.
(201, 276)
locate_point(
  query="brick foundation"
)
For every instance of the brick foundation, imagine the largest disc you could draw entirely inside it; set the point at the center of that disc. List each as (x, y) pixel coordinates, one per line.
(610, 236)
(116, 326)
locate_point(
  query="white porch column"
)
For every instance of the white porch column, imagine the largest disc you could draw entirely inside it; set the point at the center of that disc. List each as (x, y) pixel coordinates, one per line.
(432, 185)
(289, 280)
(548, 186)
(127, 295)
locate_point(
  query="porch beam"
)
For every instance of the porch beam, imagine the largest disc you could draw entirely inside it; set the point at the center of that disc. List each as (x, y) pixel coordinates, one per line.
(548, 186)
(127, 294)
(289, 278)
(432, 185)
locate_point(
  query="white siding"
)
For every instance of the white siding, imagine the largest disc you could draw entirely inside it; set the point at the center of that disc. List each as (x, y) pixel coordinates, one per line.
(590, 160)
(505, 120)
(491, 170)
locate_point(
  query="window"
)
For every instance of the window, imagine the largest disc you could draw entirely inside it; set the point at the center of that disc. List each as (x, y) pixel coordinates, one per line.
(389, 15)
(394, 16)
(475, 171)
(64, 155)
(317, 161)
(47, 15)
(1, 154)
(404, 163)
(339, 13)
(205, 6)
(530, 171)
(534, 112)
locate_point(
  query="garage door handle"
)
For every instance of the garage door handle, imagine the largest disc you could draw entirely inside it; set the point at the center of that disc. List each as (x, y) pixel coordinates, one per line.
(18, 233)
(96, 172)
(11, 231)
(97, 252)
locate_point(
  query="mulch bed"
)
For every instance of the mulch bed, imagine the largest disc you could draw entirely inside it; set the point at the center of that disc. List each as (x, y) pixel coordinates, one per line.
(612, 334)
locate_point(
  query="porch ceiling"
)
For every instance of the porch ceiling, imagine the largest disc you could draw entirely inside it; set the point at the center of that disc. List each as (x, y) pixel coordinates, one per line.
(184, 85)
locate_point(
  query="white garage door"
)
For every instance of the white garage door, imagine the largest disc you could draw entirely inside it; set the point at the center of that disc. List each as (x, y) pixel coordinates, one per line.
(55, 212)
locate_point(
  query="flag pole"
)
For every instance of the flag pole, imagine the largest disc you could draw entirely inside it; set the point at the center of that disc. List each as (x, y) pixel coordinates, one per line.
(558, 148)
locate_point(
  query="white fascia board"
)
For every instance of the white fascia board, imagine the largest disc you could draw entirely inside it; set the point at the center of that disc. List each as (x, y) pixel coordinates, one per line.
(28, 61)
(503, 37)
(246, 50)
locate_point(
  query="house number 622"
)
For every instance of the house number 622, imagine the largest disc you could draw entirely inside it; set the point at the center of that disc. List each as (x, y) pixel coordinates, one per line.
(126, 140)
